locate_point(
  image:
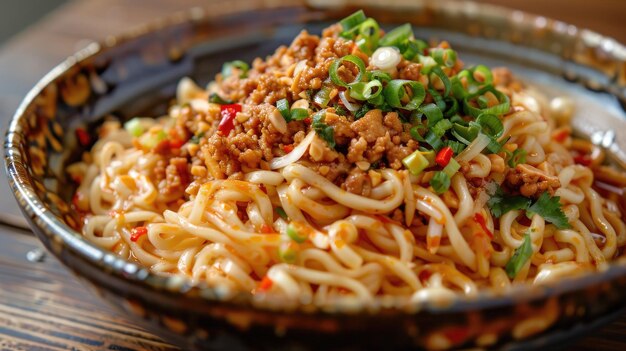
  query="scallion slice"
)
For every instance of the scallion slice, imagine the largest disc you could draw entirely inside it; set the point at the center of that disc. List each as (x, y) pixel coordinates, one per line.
(441, 127)
(227, 68)
(501, 108)
(451, 168)
(295, 234)
(322, 97)
(418, 161)
(365, 91)
(397, 36)
(395, 91)
(353, 20)
(369, 33)
(440, 182)
(216, 99)
(522, 254)
(446, 57)
(490, 125)
(334, 67)
(283, 107)
(438, 72)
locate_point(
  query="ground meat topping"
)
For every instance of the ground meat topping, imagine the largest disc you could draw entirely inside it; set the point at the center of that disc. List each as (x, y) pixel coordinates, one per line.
(531, 181)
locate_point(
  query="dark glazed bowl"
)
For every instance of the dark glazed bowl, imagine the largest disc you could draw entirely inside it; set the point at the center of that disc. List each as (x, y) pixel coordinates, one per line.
(137, 74)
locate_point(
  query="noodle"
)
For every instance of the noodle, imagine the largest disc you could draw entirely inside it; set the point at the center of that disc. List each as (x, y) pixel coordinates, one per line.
(361, 200)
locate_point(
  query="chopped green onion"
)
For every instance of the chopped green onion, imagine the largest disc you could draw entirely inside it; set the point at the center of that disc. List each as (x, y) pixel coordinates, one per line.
(324, 131)
(295, 234)
(227, 68)
(428, 63)
(441, 127)
(298, 114)
(451, 168)
(446, 57)
(365, 91)
(440, 182)
(369, 33)
(465, 134)
(334, 75)
(432, 113)
(384, 77)
(520, 257)
(362, 111)
(287, 253)
(501, 108)
(518, 156)
(395, 91)
(453, 107)
(216, 99)
(457, 87)
(283, 107)
(397, 36)
(135, 127)
(490, 125)
(322, 97)
(438, 72)
(352, 21)
(282, 213)
(433, 140)
(482, 72)
(413, 48)
(439, 101)
(418, 161)
(495, 146)
(340, 110)
(415, 132)
(151, 139)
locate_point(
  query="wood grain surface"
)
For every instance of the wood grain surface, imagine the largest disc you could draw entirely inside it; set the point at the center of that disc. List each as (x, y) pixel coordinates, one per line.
(42, 306)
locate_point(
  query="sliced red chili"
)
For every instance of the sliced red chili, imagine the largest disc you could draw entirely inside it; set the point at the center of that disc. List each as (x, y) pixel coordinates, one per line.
(560, 136)
(137, 233)
(288, 148)
(228, 114)
(267, 229)
(265, 285)
(308, 120)
(83, 137)
(584, 160)
(176, 143)
(443, 156)
(483, 224)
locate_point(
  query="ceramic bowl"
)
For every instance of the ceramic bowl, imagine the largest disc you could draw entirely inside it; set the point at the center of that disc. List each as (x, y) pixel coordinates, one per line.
(137, 74)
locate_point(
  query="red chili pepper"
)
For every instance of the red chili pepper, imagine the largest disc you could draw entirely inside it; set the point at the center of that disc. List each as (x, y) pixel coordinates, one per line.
(267, 229)
(83, 137)
(560, 136)
(228, 113)
(584, 160)
(137, 232)
(443, 156)
(265, 285)
(176, 143)
(288, 148)
(308, 120)
(481, 221)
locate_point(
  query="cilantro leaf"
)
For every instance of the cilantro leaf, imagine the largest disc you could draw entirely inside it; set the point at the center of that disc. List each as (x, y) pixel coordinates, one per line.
(550, 209)
(501, 203)
(324, 131)
(520, 257)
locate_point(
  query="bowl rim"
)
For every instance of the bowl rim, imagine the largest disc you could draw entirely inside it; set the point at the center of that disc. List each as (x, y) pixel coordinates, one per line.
(33, 206)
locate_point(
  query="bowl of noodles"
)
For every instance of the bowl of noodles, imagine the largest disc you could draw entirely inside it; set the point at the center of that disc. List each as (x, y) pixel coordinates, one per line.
(297, 176)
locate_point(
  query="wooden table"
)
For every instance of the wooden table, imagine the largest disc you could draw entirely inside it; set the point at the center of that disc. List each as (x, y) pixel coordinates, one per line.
(42, 306)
